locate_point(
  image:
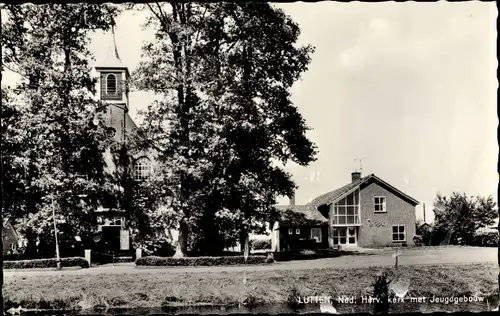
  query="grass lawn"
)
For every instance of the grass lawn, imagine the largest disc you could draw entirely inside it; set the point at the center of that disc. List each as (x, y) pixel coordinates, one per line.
(160, 288)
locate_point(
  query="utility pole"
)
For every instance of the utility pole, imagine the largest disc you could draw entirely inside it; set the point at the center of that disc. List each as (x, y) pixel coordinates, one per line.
(424, 214)
(58, 258)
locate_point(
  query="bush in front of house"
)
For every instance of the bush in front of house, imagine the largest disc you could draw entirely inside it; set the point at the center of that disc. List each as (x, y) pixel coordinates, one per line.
(200, 261)
(418, 240)
(260, 244)
(307, 254)
(46, 263)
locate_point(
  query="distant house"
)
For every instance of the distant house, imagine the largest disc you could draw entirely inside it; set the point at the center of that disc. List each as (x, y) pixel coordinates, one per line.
(367, 212)
(10, 237)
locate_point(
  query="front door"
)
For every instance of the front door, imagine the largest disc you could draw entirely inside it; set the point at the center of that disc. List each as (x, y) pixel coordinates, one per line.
(344, 236)
(111, 238)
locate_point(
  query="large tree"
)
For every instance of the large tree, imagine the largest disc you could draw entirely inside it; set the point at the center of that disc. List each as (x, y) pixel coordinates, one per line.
(55, 144)
(225, 71)
(457, 218)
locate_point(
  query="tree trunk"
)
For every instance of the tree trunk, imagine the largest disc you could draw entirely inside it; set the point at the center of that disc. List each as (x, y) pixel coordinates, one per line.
(181, 251)
(244, 242)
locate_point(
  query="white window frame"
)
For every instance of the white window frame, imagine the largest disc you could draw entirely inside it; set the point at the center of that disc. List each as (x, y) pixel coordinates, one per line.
(384, 204)
(342, 203)
(107, 85)
(290, 231)
(398, 233)
(297, 231)
(142, 168)
(320, 239)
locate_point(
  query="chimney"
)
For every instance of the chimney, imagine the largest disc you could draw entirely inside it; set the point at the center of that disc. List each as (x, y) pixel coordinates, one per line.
(292, 200)
(356, 176)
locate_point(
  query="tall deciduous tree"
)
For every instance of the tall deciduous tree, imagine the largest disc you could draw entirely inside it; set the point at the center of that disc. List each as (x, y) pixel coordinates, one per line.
(57, 145)
(456, 219)
(225, 71)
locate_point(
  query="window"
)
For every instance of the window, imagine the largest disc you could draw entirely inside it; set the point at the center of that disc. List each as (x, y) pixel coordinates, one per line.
(398, 233)
(316, 234)
(142, 168)
(290, 231)
(344, 235)
(346, 211)
(297, 231)
(111, 84)
(117, 221)
(380, 205)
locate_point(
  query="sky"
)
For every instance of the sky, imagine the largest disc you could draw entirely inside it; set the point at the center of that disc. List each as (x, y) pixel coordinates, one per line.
(410, 87)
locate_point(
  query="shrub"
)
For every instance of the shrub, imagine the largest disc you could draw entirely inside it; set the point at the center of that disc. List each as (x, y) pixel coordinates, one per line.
(46, 263)
(418, 240)
(165, 249)
(199, 261)
(293, 300)
(260, 244)
(486, 239)
(307, 255)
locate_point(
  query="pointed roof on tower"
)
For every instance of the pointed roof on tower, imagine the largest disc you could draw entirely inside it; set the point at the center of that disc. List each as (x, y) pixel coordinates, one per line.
(112, 59)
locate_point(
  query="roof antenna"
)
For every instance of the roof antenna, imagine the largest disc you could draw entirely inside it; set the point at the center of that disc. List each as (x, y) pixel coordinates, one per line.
(360, 163)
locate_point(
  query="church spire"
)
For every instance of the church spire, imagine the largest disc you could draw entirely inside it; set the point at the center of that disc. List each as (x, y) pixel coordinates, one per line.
(112, 59)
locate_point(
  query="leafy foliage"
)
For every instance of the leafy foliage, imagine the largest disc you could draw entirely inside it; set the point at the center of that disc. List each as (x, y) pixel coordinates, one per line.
(260, 244)
(46, 263)
(53, 152)
(224, 71)
(486, 239)
(200, 261)
(456, 219)
(424, 231)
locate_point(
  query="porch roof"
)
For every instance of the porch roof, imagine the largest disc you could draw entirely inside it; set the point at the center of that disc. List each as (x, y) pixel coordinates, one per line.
(300, 215)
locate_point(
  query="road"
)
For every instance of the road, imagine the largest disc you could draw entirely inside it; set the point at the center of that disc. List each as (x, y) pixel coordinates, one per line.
(383, 257)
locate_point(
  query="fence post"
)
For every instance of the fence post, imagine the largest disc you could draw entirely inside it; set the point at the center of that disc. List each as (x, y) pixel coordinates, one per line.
(87, 255)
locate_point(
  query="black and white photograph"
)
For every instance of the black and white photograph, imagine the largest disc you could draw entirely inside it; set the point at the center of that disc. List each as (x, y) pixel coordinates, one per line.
(249, 158)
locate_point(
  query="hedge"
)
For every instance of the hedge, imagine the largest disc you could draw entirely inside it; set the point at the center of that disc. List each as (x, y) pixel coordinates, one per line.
(46, 263)
(200, 261)
(307, 255)
(259, 244)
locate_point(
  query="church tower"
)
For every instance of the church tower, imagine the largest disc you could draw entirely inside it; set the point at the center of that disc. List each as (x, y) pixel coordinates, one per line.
(112, 88)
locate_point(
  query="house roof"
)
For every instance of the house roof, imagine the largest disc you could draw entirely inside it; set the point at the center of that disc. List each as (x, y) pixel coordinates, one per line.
(334, 195)
(310, 214)
(7, 223)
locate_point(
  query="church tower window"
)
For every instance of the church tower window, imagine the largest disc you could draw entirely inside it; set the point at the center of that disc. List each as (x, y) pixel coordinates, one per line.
(111, 84)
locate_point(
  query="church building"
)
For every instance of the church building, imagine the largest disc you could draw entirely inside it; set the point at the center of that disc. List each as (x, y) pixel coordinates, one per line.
(114, 232)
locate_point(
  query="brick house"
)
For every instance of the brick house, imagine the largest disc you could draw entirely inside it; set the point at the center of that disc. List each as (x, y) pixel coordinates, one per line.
(10, 238)
(367, 212)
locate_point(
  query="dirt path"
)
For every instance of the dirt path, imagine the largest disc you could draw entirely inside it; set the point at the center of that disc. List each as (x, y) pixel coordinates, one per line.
(416, 256)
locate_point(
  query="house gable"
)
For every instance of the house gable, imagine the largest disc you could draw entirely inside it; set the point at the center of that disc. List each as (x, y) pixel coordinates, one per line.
(390, 188)
(335, 195)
